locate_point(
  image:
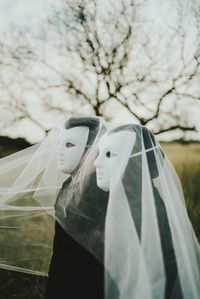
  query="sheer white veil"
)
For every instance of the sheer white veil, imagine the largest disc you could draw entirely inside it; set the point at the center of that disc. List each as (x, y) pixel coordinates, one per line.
(151, 250)
(25, 241)
(30, 182)
(81, 206)
(140, 229)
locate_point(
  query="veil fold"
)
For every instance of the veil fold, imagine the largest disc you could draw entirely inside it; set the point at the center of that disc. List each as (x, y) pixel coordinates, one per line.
(151, 250)
(31, 186)
(139, 230)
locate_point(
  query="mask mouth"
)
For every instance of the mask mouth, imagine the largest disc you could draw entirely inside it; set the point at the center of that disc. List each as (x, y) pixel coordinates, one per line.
(99, 172)
(99, 175)
(60, 159)
(60, 162)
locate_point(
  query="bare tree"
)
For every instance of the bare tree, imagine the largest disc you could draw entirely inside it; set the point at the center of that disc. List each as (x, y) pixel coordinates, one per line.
(16, 80)
(118, 60)
(115, 53)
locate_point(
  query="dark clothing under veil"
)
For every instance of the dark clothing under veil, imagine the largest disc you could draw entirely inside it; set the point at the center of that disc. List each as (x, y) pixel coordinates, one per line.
(172, 286)
(77, 269)
(74, 271)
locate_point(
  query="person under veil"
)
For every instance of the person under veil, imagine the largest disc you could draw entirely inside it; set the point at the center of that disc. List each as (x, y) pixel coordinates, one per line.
(151, 250)
(30, 181)
(128, 219)
(74, 271)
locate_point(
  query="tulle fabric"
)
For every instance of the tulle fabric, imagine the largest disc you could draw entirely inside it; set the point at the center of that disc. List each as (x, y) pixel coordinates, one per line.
(151, 250)
(30, 182)
(139, 230)
(26, 229)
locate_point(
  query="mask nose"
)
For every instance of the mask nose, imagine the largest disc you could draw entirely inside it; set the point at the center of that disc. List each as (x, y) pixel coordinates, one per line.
(60, 152)
(97, 162)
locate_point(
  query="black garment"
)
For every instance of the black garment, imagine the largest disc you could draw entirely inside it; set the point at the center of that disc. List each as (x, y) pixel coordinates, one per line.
(85, 220)
(74, 273)
(173, 287)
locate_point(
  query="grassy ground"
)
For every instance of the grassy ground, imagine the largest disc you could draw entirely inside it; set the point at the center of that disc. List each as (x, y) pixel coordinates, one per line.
(186, 159)
(15, 285)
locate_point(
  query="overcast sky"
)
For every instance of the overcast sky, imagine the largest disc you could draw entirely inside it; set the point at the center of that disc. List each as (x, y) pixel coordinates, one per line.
(14, 10)
(28, 13)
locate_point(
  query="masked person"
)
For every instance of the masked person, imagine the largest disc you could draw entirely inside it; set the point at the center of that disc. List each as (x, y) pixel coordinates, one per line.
(76, 269)
(55, 179)
(151, 250)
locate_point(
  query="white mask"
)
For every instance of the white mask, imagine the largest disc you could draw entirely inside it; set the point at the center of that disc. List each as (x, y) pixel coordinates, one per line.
(71, 147)
(114, 152)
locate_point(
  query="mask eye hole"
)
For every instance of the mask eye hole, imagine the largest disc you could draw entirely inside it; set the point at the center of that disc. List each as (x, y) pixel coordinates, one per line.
(109, 154)
(69, 144)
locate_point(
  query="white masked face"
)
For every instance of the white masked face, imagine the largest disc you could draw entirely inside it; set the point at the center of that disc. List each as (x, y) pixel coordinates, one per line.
(114, 152)
(71, 147)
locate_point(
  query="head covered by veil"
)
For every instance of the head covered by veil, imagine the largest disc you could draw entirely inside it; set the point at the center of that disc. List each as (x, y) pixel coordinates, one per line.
(30, 193)
(151, 250)
(81, 206)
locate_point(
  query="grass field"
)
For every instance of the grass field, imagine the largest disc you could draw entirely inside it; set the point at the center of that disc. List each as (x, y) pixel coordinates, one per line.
(185, 158)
